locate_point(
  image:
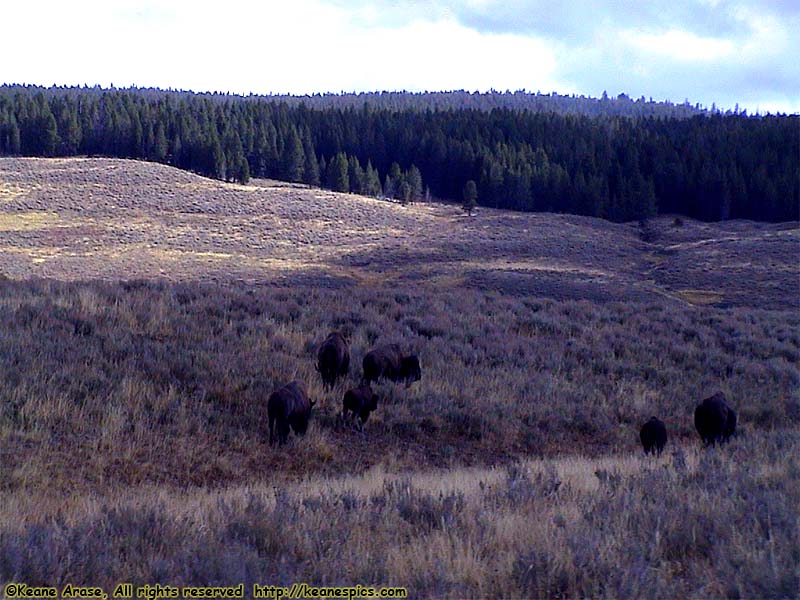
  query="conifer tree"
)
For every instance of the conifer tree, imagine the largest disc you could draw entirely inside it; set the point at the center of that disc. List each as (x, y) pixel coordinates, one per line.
(470, 197)
(372, 181)
(160, 147)
(337, 176)
(293, 161)
(391, 186)
(70, 132)
(414, 179)
(355, 175)
(311, 169)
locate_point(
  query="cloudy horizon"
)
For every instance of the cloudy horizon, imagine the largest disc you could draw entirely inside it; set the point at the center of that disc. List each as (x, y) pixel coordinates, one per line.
(704, 51)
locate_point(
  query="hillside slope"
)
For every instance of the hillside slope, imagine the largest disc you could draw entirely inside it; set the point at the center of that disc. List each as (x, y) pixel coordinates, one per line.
(114, 219)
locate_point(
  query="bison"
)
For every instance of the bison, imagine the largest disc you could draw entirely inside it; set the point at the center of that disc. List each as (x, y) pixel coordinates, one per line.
(288, 406)
(653, 436)
(359, 401)
(715, 420)
(389, 362)
(333, 359)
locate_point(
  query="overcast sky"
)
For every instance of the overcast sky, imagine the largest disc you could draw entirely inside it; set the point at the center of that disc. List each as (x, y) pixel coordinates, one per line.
(727, 52)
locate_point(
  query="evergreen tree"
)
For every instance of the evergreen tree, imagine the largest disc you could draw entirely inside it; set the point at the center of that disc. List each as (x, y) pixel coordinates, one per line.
(372, 181)
(337, 176)
(70, 132)
(414, 179)
(11, 143)
(391, 186)
(356, 176)
(49, 134)
(160, 146)
(175, 150)
(404, 192)
(238, 167)
(470, 197)
(395, 173)
(218, 166)
(311, 169)
(293, 160)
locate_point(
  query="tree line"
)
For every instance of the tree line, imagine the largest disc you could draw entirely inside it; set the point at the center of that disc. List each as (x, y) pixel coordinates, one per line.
(706, 165)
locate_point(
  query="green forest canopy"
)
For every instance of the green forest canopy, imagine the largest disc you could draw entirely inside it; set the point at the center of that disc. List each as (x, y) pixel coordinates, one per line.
(613, 158)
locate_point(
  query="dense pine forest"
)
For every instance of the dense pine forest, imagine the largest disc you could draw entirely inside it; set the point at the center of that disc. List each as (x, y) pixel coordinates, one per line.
(618, 159)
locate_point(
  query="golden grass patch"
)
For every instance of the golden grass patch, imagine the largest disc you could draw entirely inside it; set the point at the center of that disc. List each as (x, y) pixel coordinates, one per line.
(9, 191)
(700, 297)
(29, 221)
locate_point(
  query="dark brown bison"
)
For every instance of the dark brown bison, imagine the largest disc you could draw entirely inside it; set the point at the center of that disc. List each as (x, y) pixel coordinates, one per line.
(653, 436)
(288, 406)
(389, 362)
(360, 401)
(715, 420)
(333, 359)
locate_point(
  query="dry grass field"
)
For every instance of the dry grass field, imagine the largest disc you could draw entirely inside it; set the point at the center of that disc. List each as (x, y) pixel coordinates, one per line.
(78, 219)
(147, 313)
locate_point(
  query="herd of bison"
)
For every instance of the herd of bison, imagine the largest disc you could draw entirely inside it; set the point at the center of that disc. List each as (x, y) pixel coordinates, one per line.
(290, 407)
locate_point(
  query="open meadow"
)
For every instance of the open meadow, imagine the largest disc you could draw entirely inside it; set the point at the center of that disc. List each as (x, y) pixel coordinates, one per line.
(147, 313)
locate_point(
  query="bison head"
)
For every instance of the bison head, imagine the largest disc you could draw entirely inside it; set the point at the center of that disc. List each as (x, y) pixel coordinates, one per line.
(299, 422)
(372, 404)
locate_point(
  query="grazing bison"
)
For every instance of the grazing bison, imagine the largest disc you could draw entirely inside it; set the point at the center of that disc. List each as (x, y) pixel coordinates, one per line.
(389, 362)
(359, 401)
(333, 359)
(653, 436)
(715, 420)
(288, 406)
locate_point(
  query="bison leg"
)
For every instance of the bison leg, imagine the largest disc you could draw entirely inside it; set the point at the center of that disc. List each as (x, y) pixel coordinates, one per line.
(283, 431)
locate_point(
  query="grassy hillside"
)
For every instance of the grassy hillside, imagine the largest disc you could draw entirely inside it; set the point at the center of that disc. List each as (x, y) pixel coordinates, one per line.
(148, 313)
(114, 219)
(166, 383)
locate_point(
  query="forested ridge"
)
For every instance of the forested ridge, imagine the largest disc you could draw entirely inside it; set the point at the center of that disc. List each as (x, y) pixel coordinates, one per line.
(527, 152)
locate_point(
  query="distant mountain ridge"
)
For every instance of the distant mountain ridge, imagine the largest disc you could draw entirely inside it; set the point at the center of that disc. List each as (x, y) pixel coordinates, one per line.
(622, 105)
(521, 100)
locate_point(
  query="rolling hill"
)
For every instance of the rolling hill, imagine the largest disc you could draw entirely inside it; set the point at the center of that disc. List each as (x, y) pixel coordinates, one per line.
(109, 219)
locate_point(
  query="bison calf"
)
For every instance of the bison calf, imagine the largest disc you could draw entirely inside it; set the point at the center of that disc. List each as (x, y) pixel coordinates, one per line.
(653, 436)
(359, 401)
(389, 362)
(715, 420)
(333, 359)
(288, 406)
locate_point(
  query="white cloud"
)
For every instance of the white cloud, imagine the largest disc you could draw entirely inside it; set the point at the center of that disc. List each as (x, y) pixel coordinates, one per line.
(301, 47)
(679, 45)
